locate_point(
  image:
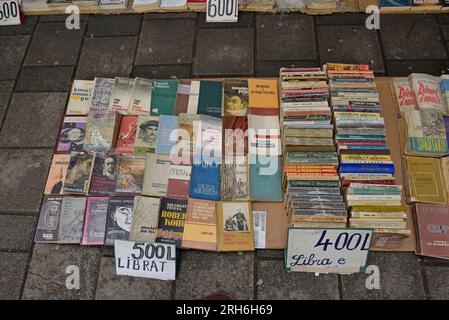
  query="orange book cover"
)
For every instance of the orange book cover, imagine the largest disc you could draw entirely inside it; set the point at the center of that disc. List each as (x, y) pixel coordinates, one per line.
(263, 97)
(56, 176)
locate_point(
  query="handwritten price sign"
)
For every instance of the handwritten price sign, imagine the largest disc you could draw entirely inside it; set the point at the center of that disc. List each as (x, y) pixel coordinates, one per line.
(9, 12)
(327, 250)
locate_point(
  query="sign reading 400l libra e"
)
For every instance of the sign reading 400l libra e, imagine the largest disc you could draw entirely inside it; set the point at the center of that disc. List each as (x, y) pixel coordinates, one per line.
(327, 250)
(222, 11)
(9, 12)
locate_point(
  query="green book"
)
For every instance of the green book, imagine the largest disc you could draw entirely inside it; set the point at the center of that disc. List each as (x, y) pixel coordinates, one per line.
(211, 98)
(163, 97)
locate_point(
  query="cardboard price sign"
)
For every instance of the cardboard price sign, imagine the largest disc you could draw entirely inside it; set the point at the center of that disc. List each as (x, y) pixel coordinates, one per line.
(222, 11)
(327, 250)
(147, 260)
(9, 12)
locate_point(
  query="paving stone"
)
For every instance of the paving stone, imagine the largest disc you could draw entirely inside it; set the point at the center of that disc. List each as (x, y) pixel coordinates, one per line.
(113, 287)
(17, 232)
(272, 254)
(445, 30)
(224, 52)
(203, 273)
(60, 17)
(404, 68)
(12, 272)
(285, 37)
(49, 79)
(161, 16)
(400, 278)
(26, 27)
(12, 50)
(438, 282)
(354, 44)
(275, 283)
(443, 18)
(271, 68)
(23, 174)
(53, 44)
(246, 19)
(342, 19)
(166, 42)
(5, 92)
(46, 278)
(162, 72)
(33, 119)
(106, 57)
(417, 38)
(115, 25)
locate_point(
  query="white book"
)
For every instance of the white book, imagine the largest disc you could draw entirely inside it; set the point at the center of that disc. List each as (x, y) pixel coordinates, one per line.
(79, 101)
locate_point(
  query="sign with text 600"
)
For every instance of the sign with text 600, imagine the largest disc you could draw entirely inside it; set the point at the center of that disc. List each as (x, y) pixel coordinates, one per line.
(147, 260)
(9, 12)
(222, 11)
(327, 250)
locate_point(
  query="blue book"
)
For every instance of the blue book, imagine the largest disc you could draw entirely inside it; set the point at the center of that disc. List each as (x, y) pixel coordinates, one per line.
(167, 124)
(265, 178)
(205, 181)
(395, 3)
(366, 168)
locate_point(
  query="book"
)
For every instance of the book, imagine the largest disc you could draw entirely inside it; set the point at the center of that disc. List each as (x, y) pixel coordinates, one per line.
(235, 226)
(80, 95)
(200, 227)
(172, 216)
(182, 97)
(263, 97)
(167, 134)
(157, 172)
(71, 136)
(444, 83)
(101, 94)
(57, 174)
(145, 219)
(394, 5)
(235, 136)
(113, 4)
(121, 94)
(48, 223)
(426, 4)
(130, 174)
(140, 103)
(119, 219)
(205, 181)
(163, 97)
(95, 221)
(101, 131)
(145, 5)
(179, 181)
(426, 87)
(445, 170)
(194, 95)
(404, 93)
(78, 174)
(264, 135)
(210, 98)
(265, 178)
(234, 180)
(127, 135)
(71, 220)
(105, 173)
(146, 136)
(207, 139)
(235, 97)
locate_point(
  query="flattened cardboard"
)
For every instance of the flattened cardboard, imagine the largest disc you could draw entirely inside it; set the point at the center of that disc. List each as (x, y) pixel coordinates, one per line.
(277, 223)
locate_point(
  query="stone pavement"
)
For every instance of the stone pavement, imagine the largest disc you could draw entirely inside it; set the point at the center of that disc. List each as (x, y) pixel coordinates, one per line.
(41, 58)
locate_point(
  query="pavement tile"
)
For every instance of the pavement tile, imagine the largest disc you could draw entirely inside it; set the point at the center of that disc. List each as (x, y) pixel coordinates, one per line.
(26, 27)
(49, 79)
(273, 282)
(224, 52)
(443, 18)
(17, 232)
(417, 38)
(338, 44)
(438, 282)
(46, 278)
(285, 37)
(12, 50)
(33, 119)
(106, 57)
(114, 25)
(170, 16)
(203, 273)
(113, 287)
(271, 254)
(12, 272)
(271, 68)
(404, 68)
(445, 30)
(157, 46)
(400, 279)
(162, 72)
(5, 92)
(342, 19)
(60, 17)
(246, 19)
(53, 44)
(23, 174)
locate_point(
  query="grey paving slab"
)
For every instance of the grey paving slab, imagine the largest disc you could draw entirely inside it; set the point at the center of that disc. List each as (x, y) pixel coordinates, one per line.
(203, 273)
(245, 20)
(23, 174)
(113, 287)
(114, 25)
(53, 44)
(169, 16)
(285, 37)
(350, 44)
(162, 72)
(157, 46)
(438, 282)
(404, 68)
(17, 232)
(418, 37)
(33, 119)
(5, 93)
(443, 18)
(445, 29)
(12, 51)
(60, 17)
(26, 27)
(12, 273)
(342, 19)
(106, 57)
(271, 254)
(400, 278)
(224, 52)
(46, 278)
(48, 79)
(271, 68)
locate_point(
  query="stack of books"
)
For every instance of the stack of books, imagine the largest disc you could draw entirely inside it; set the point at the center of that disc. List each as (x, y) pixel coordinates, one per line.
(311, 181)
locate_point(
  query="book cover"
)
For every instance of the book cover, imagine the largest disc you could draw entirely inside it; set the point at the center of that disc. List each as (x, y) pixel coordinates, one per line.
(130, 174)
(395, 3)
(71, 220)
(445, 170)
(182, 97)
(444, 83)
(146, 136)
(235, 226)
(145, 219)
(207, 139)
(119, 219)
(404, 93)
(263, 97)
(422, 4)
(101, 94)
(210, 98)
(194, 95)
(140, 103)
(157, 172)
(57, 173)
(200, 227)
(234, 179)
(71, 137)
(366, 168)
(427, 90)
(264, 136)
(172, 215)
(101, 131)
(185, 145)
(235, 97)
(163, 98)
(79, 101)
(127, 135)
(205, 181)
(78, 174)
(433, 228)
(48, 224)
(104, 176)
(235, 136)
(179, 181)
(168, 125)
(265, 178)
(121, 94)
(95, 221)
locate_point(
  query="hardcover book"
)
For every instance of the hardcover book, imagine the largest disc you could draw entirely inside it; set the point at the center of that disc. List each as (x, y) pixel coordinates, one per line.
(171, 221)
(426, 89)
(234, 179)
(179, 181)
(119, 219)
(140, 103)
(147, 131)
(157, 171)
(104, 176)
(235, 97)
(101, 94)
(168, 126)
(121, 94)
(95, 221)
(57, 173)
(182, 98)
(205, 181)
(78, 174)
(127, 135)
(200, 227)
(145, 219)
(48, 224)
(264, 172)
(79, 101)
(71, 137)
(163, 97)
(263, 97)
(101, 131)
(130, 174)
(71, 220)
(210, 98)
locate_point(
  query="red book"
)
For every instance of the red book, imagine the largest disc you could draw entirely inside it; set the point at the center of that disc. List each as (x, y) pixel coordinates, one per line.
(127, 135)
(179, 182)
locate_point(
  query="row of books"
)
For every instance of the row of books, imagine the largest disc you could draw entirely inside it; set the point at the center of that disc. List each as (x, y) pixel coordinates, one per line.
(392, 6)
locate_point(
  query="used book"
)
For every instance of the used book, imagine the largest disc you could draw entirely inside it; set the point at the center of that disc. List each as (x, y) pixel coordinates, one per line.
(71, 137)
(95, 221)
(119, 219)
(172, 216)
(79, 101)
(156, 175)
(146, 136)
(79, 171)
(200, 227)
(57, 174)
(101, 94)
(145, 219)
